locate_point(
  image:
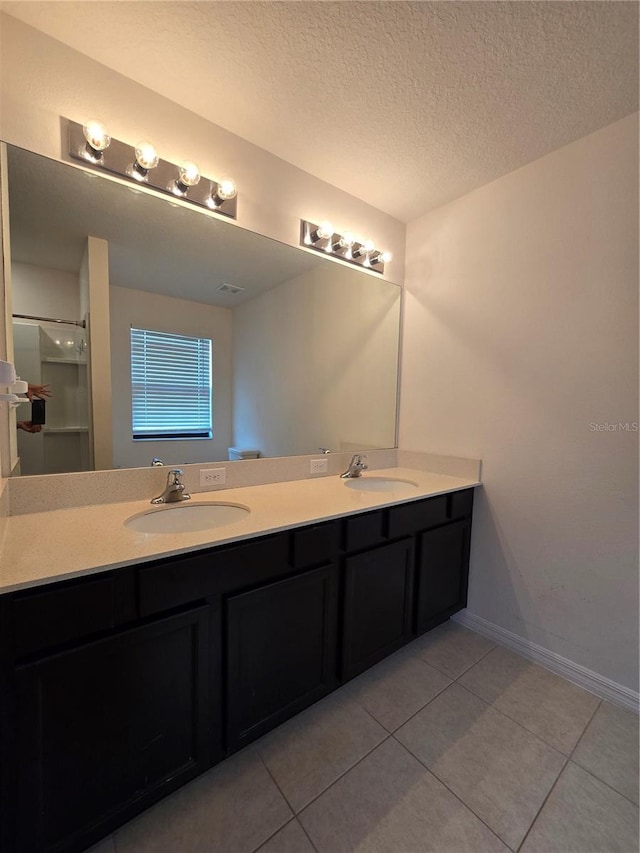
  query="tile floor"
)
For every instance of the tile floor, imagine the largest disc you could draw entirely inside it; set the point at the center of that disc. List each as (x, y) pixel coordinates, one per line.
(451, 745)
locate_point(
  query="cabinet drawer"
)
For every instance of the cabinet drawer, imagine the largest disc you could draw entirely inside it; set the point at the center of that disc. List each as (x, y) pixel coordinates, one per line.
(186, 579)
(63, 613)
(460, 504)
(311, 546)
(418, 515)
(363, 531)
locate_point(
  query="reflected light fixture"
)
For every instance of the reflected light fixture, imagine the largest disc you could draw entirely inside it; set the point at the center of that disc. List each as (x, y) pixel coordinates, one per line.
(346, 247)
(141, 164)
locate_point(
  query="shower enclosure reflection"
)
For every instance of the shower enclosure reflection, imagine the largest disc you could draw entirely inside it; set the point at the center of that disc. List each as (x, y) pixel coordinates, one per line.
(54, 355)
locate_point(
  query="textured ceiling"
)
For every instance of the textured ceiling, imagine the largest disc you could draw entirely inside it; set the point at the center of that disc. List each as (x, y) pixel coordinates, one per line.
(406, 105)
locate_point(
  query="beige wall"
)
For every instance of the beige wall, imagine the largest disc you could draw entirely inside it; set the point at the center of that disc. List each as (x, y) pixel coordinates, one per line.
(167, 314)
(315, 364)
(521, 331)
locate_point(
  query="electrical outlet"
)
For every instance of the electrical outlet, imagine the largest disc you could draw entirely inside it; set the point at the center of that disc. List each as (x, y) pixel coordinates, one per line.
(319, 466)
(213, 476)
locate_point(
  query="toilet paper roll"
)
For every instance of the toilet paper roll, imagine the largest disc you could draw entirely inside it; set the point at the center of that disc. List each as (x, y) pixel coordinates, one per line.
(19, 387)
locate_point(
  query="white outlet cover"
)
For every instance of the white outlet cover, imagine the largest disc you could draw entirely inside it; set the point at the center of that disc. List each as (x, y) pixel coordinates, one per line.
(213, 476)
(318, 466)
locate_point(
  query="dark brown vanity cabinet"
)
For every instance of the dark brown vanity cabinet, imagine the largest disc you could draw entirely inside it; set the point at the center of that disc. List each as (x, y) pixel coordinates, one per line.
(378, 605)
(102, 730)
(281, 651)
(442, 570)
(117, 688)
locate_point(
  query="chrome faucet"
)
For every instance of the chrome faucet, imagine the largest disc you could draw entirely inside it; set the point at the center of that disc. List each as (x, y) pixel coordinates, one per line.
(356, 467)
(174, 490)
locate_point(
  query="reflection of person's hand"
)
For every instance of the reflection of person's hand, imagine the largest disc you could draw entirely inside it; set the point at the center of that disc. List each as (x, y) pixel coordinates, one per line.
(27, 426)
(39, 392)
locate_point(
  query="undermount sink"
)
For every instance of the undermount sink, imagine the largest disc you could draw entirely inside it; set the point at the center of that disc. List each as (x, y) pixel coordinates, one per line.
(186, 517)
(381, 484)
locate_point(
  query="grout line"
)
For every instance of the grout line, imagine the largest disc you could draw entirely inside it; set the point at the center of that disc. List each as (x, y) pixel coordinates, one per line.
(299, 822)
(485, 655)
(338, 778)
(273, 834)
(448, 674)
(526, 728)
(543, 804)
(602, 782)
(598, 706)
(435, 696)
(591, 772)
(273, 779)
(452, 792)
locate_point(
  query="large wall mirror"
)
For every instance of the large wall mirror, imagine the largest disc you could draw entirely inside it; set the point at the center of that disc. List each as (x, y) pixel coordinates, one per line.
(304, 350)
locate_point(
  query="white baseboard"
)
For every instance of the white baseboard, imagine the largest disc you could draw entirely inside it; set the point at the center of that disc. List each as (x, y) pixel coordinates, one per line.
(580, 675)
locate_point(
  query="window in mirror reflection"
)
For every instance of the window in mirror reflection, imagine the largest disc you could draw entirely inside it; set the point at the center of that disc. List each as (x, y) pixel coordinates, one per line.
(171, 388)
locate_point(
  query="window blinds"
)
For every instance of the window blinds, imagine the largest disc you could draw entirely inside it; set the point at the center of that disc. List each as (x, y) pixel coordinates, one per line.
(170, 385)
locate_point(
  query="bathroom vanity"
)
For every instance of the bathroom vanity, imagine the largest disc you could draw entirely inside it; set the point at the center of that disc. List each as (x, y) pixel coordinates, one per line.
(121, 685)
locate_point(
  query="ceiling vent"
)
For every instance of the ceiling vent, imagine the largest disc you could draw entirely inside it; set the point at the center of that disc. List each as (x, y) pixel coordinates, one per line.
(230, 288)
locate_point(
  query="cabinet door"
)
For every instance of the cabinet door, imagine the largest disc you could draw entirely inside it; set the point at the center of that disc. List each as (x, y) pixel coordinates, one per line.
(443, 570)
(378, 605)
(281, 646)
(105, 729)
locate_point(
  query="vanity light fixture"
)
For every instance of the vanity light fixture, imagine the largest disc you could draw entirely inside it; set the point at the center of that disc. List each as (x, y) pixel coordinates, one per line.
(223, 191)
(346, 247)
(141, 164)
(188, 176)
(146, 159)
(380, 258)
(96, 141)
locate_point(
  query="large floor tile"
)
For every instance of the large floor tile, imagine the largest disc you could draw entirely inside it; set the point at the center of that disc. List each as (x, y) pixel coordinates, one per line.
(583, 815)
(233, 809)
(451, 648)
(551, 707)
(389, 803)
(313, 749)
(290, 839)
(396, 689)
(500, 770)
(609, 749)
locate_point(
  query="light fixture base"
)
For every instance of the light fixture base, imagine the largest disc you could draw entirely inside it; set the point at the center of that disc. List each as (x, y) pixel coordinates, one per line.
(326, 246)
(118, 158)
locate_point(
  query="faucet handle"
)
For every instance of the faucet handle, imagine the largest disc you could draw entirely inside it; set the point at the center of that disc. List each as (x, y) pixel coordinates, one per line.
(173, 477)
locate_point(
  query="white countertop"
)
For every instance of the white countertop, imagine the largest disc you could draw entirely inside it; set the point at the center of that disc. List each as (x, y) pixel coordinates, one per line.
(65, 543)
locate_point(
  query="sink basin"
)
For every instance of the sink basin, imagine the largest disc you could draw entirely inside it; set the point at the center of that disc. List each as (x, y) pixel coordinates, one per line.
(186, 517)
(381, 484)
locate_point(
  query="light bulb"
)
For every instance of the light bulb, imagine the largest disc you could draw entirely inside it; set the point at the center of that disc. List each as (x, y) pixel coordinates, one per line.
(382, 258)
(347, 240)
(146, 156)
(325, 231)
(369, 246)
(226, 189)
(96, 135)
(189, 174)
